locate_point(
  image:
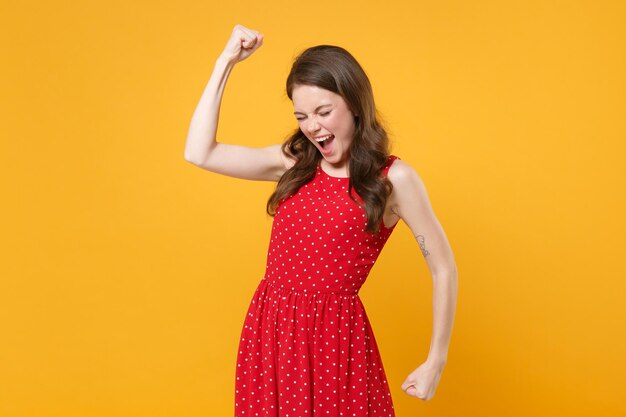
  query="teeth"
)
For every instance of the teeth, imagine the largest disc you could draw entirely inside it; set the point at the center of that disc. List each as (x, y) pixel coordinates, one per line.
(322, 139)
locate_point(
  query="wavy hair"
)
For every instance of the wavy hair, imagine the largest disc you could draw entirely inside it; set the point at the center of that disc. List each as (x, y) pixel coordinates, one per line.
(335, 69)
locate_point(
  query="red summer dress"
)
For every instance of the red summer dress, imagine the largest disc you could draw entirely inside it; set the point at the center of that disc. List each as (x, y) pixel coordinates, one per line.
(307, 348)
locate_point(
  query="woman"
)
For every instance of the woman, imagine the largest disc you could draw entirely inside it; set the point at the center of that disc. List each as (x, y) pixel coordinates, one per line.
(307, 346)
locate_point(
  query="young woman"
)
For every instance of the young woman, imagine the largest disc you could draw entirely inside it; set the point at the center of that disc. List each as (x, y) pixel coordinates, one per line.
(307, 347)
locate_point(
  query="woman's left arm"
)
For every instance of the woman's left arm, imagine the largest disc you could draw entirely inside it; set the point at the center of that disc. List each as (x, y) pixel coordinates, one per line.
(409, 201)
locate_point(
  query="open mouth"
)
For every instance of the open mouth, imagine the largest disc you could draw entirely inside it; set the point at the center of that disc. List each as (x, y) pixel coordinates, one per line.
(325, 141)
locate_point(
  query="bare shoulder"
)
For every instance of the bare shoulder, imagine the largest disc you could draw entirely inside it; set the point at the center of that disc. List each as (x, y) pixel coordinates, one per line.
(403, 175)
(288, 159)
(408, 186)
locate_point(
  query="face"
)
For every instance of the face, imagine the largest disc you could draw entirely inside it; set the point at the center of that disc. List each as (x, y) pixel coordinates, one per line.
(323, 114)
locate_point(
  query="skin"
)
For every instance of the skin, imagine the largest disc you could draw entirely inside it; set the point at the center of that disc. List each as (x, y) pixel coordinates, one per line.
(320, 112)
(408, 202)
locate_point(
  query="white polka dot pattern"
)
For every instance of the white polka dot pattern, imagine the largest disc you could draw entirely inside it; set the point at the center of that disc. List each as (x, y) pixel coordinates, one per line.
(307, 347)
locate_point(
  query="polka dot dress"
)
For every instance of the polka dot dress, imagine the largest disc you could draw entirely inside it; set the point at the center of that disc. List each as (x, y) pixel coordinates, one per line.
(307, 347)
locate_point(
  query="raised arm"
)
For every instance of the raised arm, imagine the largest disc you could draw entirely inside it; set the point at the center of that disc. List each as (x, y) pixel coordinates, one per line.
(202, 148)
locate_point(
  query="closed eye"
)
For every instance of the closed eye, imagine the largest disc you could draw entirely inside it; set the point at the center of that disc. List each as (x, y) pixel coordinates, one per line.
(324, 114)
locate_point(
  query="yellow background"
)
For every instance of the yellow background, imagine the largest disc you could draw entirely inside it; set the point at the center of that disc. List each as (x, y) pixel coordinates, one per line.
(126, 272)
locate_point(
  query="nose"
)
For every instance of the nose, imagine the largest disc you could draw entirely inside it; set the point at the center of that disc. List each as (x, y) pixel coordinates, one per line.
(313, 125)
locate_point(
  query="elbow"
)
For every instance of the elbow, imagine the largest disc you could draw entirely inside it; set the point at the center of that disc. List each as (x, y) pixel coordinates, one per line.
(447, 272)
(447, 279)
(453, 273)
(192, 159)
(187, 155)
(198, 157)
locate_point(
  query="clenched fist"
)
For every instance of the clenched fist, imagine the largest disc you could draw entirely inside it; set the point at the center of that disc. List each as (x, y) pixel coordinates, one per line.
(242, 43)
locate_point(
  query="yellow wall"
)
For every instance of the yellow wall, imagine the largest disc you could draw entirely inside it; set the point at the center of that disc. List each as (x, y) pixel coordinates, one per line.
(126, 271)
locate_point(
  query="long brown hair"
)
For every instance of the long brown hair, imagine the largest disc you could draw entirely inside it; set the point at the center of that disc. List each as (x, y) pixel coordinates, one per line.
(335, 69)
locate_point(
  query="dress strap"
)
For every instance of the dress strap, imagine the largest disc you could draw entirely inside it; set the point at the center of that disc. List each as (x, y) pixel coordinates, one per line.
(389, 163)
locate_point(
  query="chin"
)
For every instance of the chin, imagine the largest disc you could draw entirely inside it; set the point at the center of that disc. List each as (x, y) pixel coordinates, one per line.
(334, 159)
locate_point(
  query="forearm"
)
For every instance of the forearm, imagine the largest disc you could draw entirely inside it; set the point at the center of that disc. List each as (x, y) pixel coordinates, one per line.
(445, 290)
(201, 137)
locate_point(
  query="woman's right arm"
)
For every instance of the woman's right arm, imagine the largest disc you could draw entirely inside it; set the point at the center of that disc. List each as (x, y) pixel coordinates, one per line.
(202, 149)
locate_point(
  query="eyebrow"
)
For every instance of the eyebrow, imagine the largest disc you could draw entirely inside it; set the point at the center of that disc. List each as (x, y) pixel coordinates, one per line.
(316, 109)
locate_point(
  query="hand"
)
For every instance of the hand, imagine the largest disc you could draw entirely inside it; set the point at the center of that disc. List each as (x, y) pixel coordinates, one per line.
(242, 43)
(423, 381)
